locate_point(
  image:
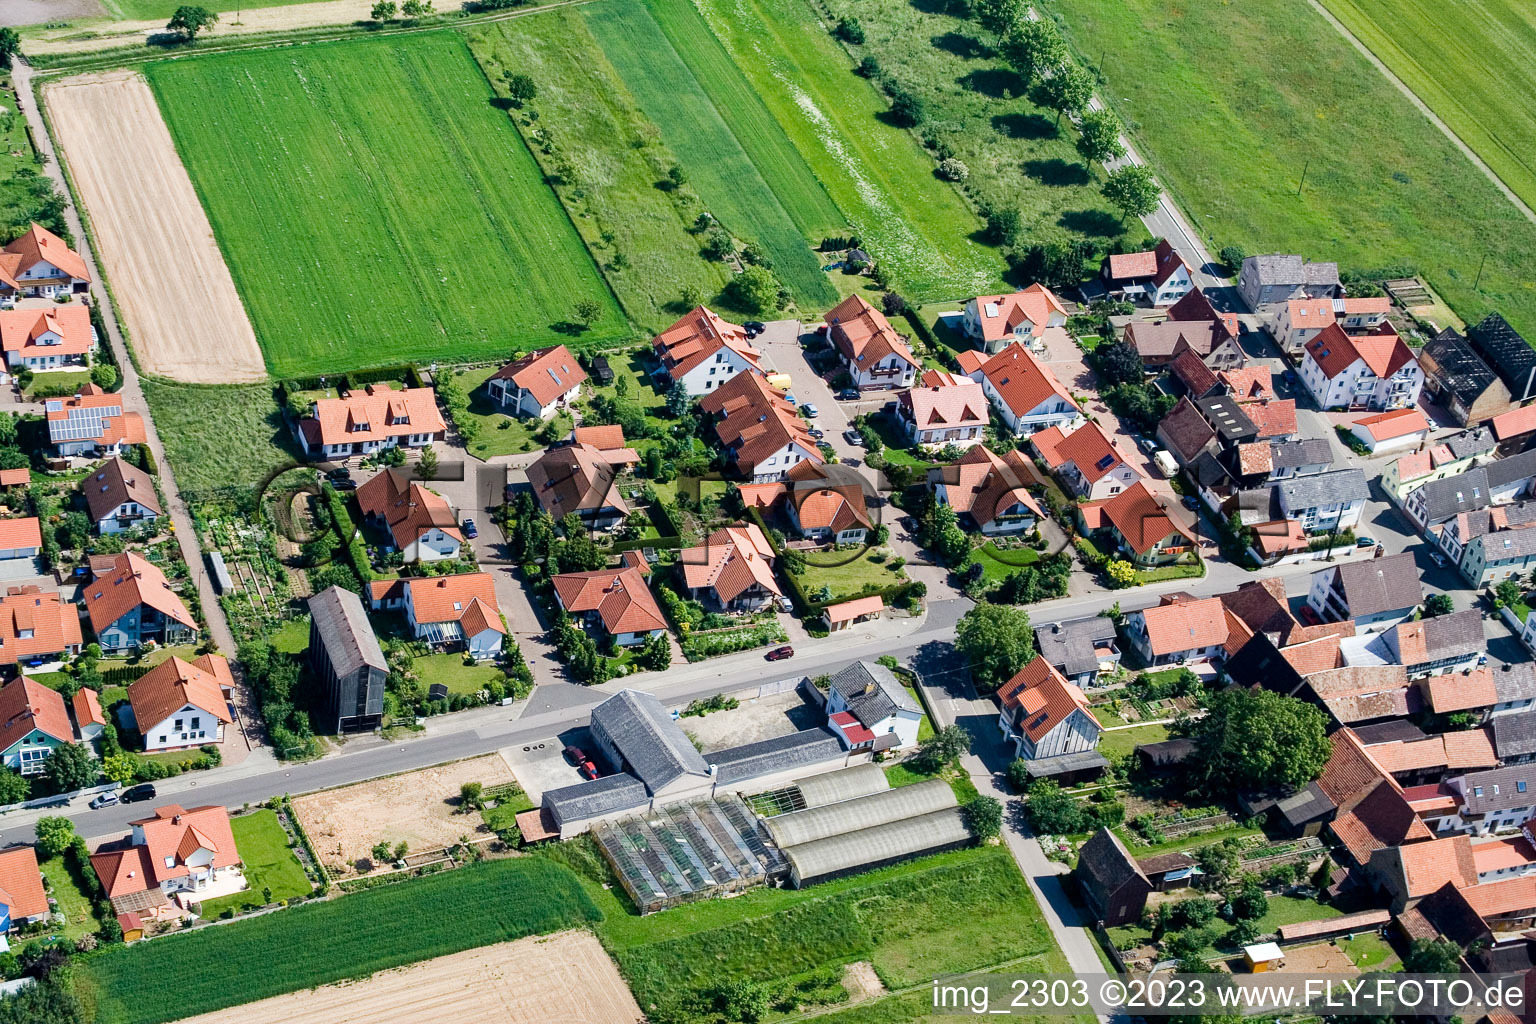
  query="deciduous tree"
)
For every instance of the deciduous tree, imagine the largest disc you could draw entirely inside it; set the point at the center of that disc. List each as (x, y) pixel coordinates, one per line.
(998, 641)
(1067, 90)
(71, 768)
(54, 836)
(1099, 136)
(10, 46)
(189, 20)
(384, 10)
(1438, 604)
(1254, 740)
(1001, 16)
(521, 89)
(984, 815)
(756, 291)
(1132, 190)
(1033, 48)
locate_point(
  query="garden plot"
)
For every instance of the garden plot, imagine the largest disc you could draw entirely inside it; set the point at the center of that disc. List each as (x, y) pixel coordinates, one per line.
(258, 597)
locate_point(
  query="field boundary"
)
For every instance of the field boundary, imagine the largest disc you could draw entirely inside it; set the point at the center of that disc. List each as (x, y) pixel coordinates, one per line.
(1424, 108)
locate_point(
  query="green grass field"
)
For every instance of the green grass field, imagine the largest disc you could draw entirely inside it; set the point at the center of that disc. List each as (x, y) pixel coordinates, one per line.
(734, 153)
(878, 175)
(1478, 79)
(73, 903)
(845, 575)
(219, 439)
(605, 158)
(494, 901)
(146, 10)
(269, 863)
(373, 206)
(450, 670)
(1230, 138)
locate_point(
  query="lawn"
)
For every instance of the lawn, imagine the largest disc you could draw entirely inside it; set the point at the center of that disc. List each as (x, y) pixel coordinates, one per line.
(374, 206)
(1294, 910)
(997, 562)
(1119, 742)
(73, 903)
(1369, 951)
(494, 901)
(877, 174)
(269, 863)
(56, 379)
(450, 670)
(1170, 572)
(1478, 78)
(1295, 94)
(499, 434)
(846, 574)
(606, 160)
(733, 153)
(219, 439)
(292, 637)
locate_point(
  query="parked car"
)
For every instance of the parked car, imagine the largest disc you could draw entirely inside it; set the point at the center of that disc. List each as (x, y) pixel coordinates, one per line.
(1439, 559)
(853, 437)
(780, 653)
(817, 433)
(789, 396)
(104, 800)
(344, 484)
(1365, 542)
(575, 755)
(848, 394)
(470, 529)
(588, 770)
(133, 794)
(1308, 616)
(1146, 444)
(1190, 502)
(810, 409)
(753, 328)
(340, 473)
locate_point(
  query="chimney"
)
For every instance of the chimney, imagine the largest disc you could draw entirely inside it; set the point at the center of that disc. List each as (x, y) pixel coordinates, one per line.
(176, 820)
(1055, 627)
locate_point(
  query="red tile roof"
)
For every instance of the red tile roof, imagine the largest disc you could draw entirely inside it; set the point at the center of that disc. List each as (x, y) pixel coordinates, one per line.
(130, 582)
(1514, 423)
(1352, 770)
(603, 438)
(22, 329)
(730, 561)
(21, 884)
(15, 477)
(68, 418)
(19, 534)
(1318, 654)
(87, 708)
(847, 611)
(1034, 304)
(453, 598)
(1496, 899)
(757, 421)
(1248, 383)
(1091, 449)
(836, 508)
(697, 336)
(37, 245)
(1397, 423)
(1461, 691)
(1022, 381)
(1429, 865)
(852, 729)
(406, 508)
(619, 596)
(544, 373)
(1254, 459)
(1309, 313)
(1141, 519)
(1042, 698)
(1197, 307)
(173, 684)
(986, 485)
(1275, 417)
(1127, 266)
(1334, 352)
(1191, 369)
(863, 335)
(580, 478)
(1186, 625)
(1503, 854)
(170, 837)
(375, 413)
(960, 403)
(54, 623)
(26, 705)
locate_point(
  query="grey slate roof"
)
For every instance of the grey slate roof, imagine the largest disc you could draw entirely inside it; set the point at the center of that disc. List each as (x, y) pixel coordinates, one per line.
(1471, 442)
(1380, 584)
(595, 797)
(1389, 732)
(1499, 789)
(1309, 451)
(1464, 492)
(655, 747)
(1104, 865)
(1514, 735)
(1070, 645)
(1515, 682)
(1304, 805)
(872, 692)
(1208, 471)
(344, 630)
(1331, 488)
(1227, 418)
(1507, 471)
(1277, 268)
(1458, 368)
(1507, 353)
(776, 754)
(1509, 544)
(1047, 767)
(1452, 636)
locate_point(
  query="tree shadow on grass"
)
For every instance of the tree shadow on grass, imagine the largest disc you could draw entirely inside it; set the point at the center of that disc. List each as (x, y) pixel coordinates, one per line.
(998, 83)
(1057, 172)
(502, 103)
(1024, 126)
(1094, 223)
(569, 328)
(962, 46)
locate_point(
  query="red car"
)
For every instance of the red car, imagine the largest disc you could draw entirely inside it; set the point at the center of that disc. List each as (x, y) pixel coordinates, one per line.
(575, 755)
(588, 770)
(780, 653)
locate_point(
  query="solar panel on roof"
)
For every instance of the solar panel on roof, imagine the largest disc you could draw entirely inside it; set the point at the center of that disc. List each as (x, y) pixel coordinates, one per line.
(1105, 462)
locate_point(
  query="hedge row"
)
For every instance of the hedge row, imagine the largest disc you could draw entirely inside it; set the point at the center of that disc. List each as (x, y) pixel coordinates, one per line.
(355, 379)
(357, 554)
(804, 605)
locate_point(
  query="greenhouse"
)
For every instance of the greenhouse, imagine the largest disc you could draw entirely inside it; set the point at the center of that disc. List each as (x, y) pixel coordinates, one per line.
(869, 848)
(818, 823)
(845, 784)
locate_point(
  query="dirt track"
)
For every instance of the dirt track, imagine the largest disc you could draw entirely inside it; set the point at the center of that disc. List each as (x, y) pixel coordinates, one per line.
(106, 34)
(184, 317)
(565, 977)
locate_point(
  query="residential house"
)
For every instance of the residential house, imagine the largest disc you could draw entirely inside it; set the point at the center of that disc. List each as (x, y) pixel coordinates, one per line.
(90, 720)
(1509, 355)
(582, 479)
(732, 570)
(993, 322)
(1227, 418)
(420, 524)
(1306, 457)
(988, 490)
(1331, 501)
(47, 339)
(366, 421)
(702, 351)
(40, 265)
(876, 356)
(1515, 430)
(1497, 800)
(1273, 278)
(1112, 884)
(120, 497)
(33, 724)
(1159, 344)
(1126, 275)
(1499, 555)
(1300, 321)
(36, 626)
(1049, 722)
(1362, 694)
(1514, 690)
(1373, 371)
(1456, 533)
(1514, 737)
(23, 900)
(92, 421)
(1391, 431)
(1086, 461)
(943, 409)
(179, 704)
(130, 603)
(1139, 526)
(447, 612)
(1456, 378)
(1172, 280)
(763, 435)
(885, 715)
(20, 540)
(1182, 631)
(827, 503)
(1274, 418)
(618, 600)
(1079, 648)
(345, 656)
(1025, 393)
(175, 854)
(1413, 871)
(1185, 434)
(1372, 592)
(1197, 379)
(539, 383)
(1470, 692)
(1445, 458)
(1445, 643)
(1491, 483)
(1362, 314)
(1196, 307)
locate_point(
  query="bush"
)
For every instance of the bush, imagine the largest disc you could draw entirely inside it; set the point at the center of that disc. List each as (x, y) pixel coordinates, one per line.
(1233, 256)
(869, 67)
(850, 31)
(907, 110)
(953, 170)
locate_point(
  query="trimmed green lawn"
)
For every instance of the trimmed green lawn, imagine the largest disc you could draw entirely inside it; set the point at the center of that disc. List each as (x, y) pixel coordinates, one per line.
(1119, 742)
(500, 434)
(848, 576)
(292, 637)
(268, 862)
(219, 440)
(58, 378)
(427, 229)
(450, 670)
(150, 659)
(1170, 572)
(73, 904)
(997, 562)
(1292, 89)
(1293, 910)
(1369, 951)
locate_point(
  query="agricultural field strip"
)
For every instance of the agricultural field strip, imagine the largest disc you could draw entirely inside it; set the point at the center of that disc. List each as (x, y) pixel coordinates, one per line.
(427, 230)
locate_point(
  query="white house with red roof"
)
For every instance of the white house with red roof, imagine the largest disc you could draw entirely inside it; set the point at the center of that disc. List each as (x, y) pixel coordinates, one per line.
(1139, 524)
(180, 704)
(1183, 631)
(539, 383)
(826, 503)
(1087, 460)
(995, 321)
(369, 420)
(1301, 320)
(447, 612)
(47, 339)
(92, 421)
(175, 851)
(1372, 371)
(943, 409)
(618, 600)
(1043, 715)
(1025, 393)
(762, 434)
(701, 351)
(1390, 431)
(39, 264)
(988, 491)
(876, 356)
(733, 568)
(23, 900)
(37, 626)
(421, 524)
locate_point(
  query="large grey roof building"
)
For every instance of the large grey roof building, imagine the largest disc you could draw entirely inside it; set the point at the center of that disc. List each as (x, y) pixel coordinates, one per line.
(1073, 646)
(775, 754)
(1375, 587)
(1307, 451)
(640, 737)
(1514, 736)
(345, 654)
(1439, 500)
(1335, 487)
(596, 798)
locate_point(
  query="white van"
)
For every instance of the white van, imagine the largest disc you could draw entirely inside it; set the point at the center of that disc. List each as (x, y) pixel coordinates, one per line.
(1166, 462)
